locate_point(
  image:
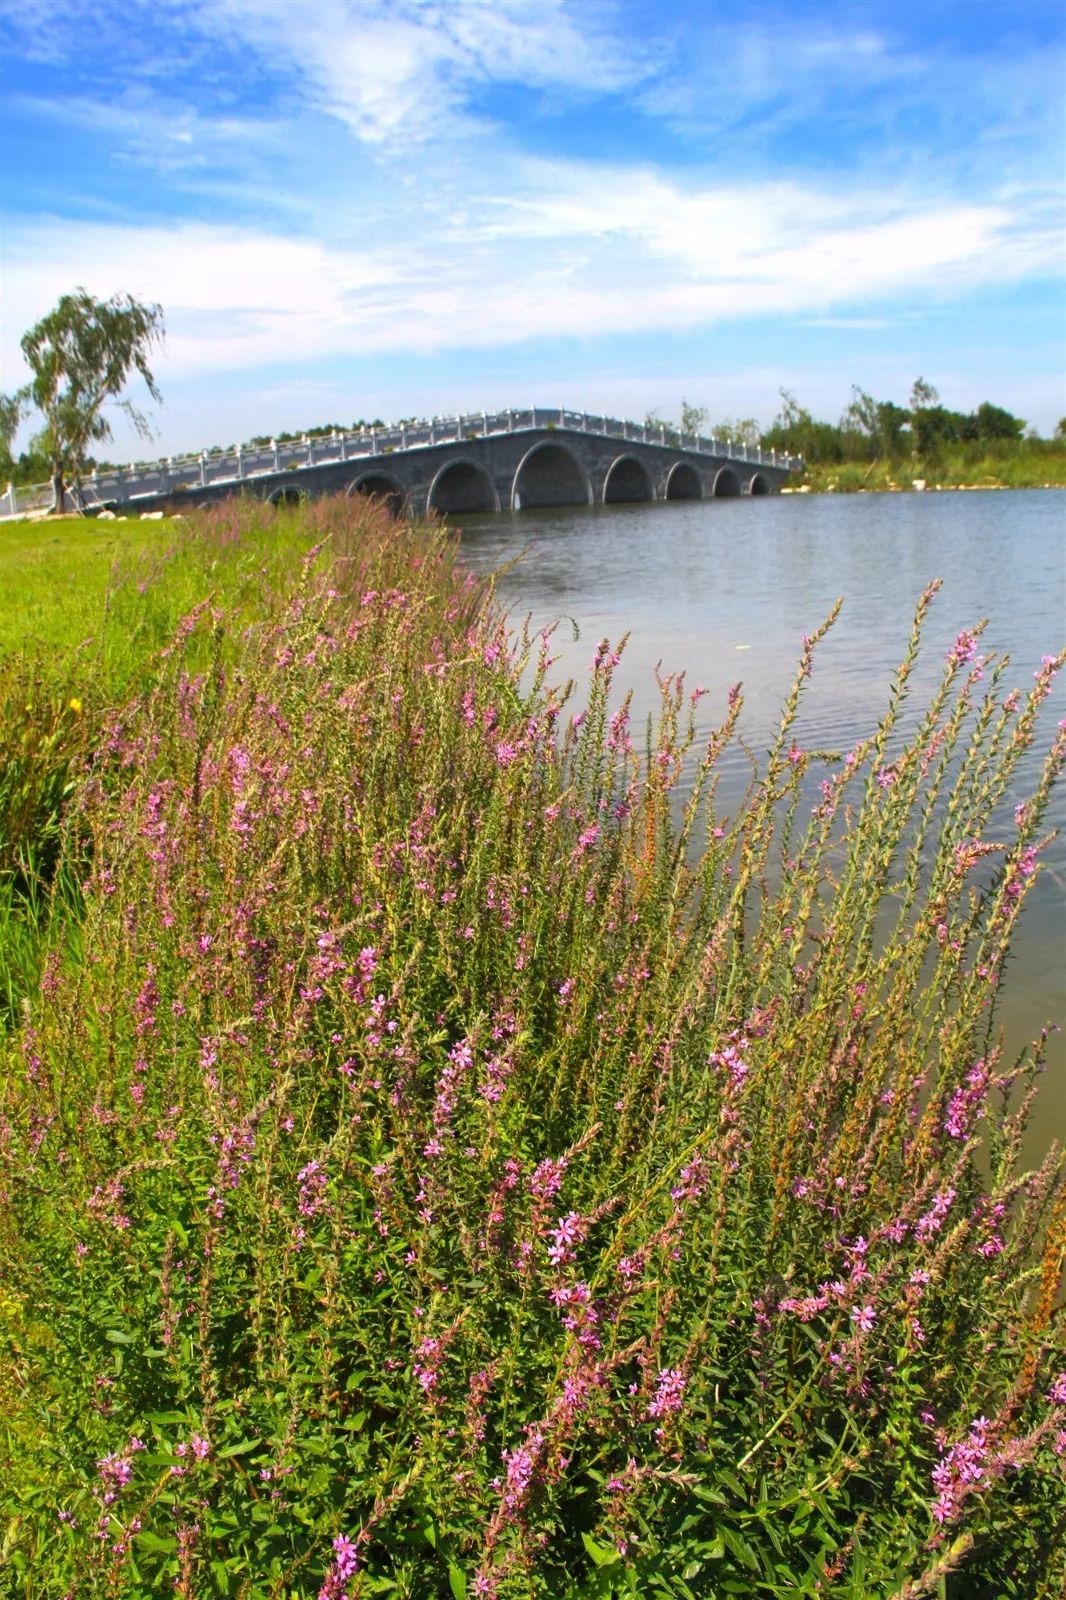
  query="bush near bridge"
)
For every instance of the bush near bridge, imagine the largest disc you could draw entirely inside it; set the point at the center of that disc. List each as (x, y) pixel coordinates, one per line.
(436, 1165)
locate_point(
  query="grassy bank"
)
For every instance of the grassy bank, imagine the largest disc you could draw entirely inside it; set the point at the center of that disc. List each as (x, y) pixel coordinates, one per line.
(85, 609)
(1019, 468)
(436, 1168)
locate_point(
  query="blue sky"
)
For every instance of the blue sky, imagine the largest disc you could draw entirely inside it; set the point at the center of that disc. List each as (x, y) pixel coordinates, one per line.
(408, 207)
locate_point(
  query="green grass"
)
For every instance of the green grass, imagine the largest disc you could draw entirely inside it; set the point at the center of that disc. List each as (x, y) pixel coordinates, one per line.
(55, 576)
(85, 609)
(111, 592)
(1023, 468)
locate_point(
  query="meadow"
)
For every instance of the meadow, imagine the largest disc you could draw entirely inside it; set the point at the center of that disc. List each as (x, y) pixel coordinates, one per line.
(436, 1162)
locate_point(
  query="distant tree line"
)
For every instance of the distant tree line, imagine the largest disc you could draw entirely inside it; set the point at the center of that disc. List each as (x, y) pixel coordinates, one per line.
(881, 431)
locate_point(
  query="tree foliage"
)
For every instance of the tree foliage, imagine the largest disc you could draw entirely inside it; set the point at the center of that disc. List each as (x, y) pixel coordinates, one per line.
(742, 430)
(873, 430)
(693, 418)
(81, 356)
(10, 414)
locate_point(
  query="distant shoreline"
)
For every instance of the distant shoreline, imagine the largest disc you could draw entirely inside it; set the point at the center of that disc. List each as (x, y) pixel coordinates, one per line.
(918, 488)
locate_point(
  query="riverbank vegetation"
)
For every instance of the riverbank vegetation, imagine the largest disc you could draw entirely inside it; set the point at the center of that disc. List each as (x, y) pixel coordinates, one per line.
(436, 1162)
(878, 444)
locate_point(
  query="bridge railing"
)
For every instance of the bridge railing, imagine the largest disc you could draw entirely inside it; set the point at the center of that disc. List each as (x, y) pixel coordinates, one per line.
(146, 480)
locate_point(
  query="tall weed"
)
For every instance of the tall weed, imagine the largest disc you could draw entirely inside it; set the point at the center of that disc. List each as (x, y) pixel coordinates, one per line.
(442, 1170)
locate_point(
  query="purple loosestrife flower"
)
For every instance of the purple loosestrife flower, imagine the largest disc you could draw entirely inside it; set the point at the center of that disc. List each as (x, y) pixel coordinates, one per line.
(313, 1180)
(964, 1468)
(429, 1353)
(669, 1392)
(546, 1178)
(116, 1471)
(809, 1307)
(964, 649)
(1024, 869)
(582, 1317)
(692, 1181)
(605, 656)
(522, 1464)
(967, 1102)
(344, 1566)
(933, 1220)
(863, 1317)
(105, 1203)
(618, 738)
(569, 1231)
(732, 1060)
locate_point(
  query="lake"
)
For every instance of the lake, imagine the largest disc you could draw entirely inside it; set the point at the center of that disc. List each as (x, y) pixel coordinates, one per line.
(724, 590)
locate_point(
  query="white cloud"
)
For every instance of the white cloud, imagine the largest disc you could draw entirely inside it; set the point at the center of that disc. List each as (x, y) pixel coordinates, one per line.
(399, 72)
(582, 252)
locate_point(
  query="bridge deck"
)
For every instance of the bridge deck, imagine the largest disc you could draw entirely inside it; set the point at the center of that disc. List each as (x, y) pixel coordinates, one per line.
(419, 464)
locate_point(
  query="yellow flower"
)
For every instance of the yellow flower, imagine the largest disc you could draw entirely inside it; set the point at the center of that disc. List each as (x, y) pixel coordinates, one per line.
(74, 704)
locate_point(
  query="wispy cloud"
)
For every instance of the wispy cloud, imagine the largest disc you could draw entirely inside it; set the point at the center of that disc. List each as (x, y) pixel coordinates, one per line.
(847, 322)
(395, 72)
(401, 71)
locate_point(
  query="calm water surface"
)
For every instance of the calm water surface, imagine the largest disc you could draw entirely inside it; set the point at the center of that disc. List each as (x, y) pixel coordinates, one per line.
(724, 590)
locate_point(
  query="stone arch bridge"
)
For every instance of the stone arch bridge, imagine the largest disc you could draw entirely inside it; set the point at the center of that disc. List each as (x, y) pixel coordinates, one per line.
(509, 461)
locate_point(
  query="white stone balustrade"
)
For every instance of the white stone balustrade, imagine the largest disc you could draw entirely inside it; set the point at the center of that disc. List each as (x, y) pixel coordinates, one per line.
(253, 461)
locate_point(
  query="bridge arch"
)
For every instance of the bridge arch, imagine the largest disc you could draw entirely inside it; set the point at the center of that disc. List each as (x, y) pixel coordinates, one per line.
(288, 496)
(379, 486)
(627, 479)
(683, 482)
(462, 485)
(550, 475)
(726, 484)
(758, 484)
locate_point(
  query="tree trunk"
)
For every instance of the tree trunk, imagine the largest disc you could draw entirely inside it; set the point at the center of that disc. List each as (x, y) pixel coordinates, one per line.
(59, 492)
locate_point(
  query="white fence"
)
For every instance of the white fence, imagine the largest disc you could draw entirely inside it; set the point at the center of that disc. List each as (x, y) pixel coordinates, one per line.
(124, 484)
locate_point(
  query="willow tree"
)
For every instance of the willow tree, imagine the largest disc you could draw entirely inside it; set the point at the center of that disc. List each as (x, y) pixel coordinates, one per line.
(82, 355)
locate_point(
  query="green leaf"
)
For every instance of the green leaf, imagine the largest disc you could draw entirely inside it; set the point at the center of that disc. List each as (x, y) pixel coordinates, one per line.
(457, 1581)
(116, 1336)
(604, 1555)
(709, 1496)
(240, 1449)
(154, 1545)
(739, 1547)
